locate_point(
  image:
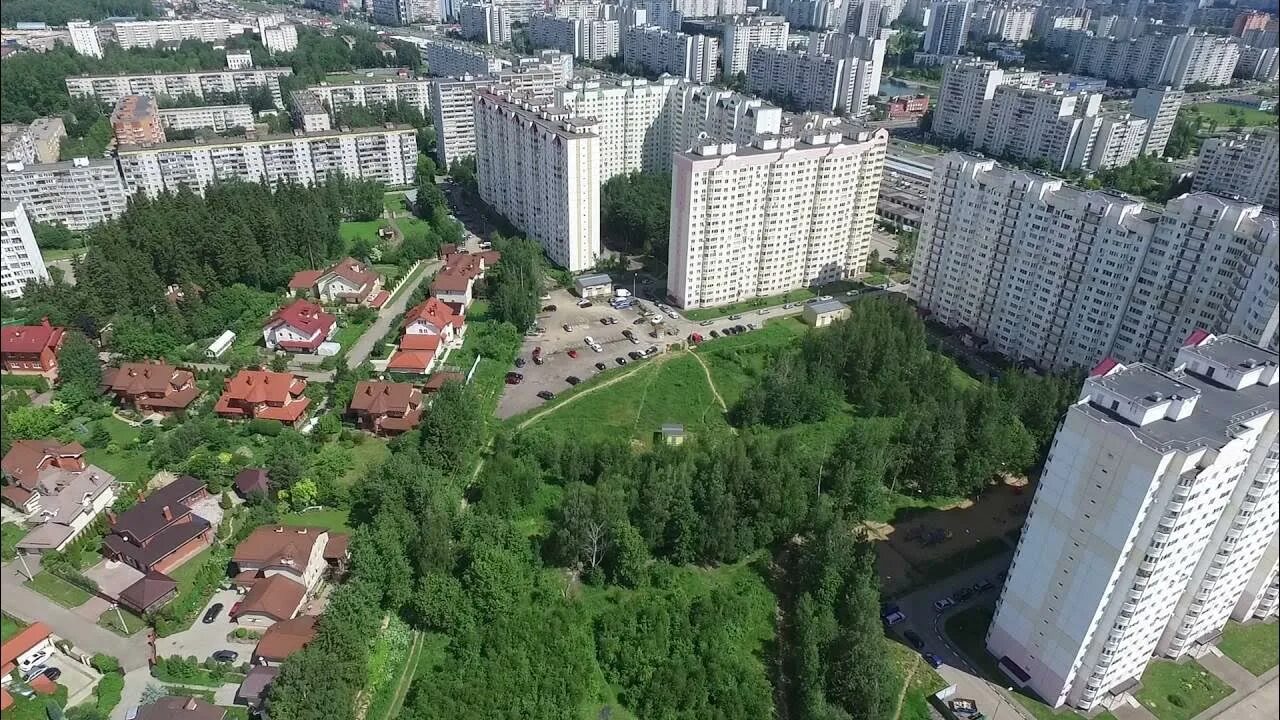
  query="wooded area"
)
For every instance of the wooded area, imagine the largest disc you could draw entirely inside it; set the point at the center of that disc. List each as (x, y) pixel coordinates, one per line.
(58, 12)
(635, 213)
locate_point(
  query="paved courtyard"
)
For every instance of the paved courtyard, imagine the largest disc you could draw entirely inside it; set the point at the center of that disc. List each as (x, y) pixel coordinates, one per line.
(203, 640)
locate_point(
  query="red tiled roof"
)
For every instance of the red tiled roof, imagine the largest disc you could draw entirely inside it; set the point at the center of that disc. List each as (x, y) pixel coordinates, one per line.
(258, 386)
(420, 341)
(287, 414)
(43, 685)
(354, 271)
(433, 311)
(336, 548)
(1104, 367)
(30, 338)
(147, 378)
(276, 596)
(26, 639)
(411, 360)
(6, 700)
(380, 398)
(304, 279)
(25, 459)
(304, 316)
(1196, 337)
(285, 638)
(379, 299)
(272, 545)
(437, 380)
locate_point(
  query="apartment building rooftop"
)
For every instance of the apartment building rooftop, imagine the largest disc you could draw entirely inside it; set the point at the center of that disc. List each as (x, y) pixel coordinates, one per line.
(267, 137)
(134, 109)
(371, 76)
(541, 112)
(60, 165)
(211, 71)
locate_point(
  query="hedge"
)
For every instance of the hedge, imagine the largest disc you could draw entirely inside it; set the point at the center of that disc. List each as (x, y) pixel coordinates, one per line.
(110, 689)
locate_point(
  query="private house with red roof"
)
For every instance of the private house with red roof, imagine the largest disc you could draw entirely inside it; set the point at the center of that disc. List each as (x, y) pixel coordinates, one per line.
(55, 488)
(31, 349)
(437, 381)
(454, 282)
(151, 386)
(386, 408)
(346, 281)
(415, 354)
(264, 394)
(280, 566)
(24, 650)
(284, 639)
(161, 532)
(433, 316)
(300, 326)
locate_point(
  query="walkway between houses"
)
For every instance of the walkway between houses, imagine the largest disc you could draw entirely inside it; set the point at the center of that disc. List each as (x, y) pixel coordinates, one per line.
(396, 305)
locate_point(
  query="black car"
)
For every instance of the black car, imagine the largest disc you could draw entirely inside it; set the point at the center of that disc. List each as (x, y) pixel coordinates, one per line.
(573, 379)
(739, 329)
(601, 366)
(634, 355)
(549, 308)
(714, 334)
(211, 614)
(916, 641)
(620, 360)
(519, 362)
(225, 656)
(546, 394)
(983, 586)
(962, 594)
(52, 673)
(638, 321)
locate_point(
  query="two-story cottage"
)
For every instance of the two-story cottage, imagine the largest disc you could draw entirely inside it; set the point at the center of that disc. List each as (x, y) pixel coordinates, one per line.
(280, 566)
(56, 489)
(151, 386)
(386, 408)
(346, 281)
(435, 317)
(264, 394)
(455, 281)
(415, 354)
(300, 326)
(31, 349)
(284, 639)
(161, 532)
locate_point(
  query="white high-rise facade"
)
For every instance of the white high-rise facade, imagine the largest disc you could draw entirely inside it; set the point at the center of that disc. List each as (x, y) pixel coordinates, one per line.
(1061, 277)
(375, 86)
(745, 32)
(84, 38)
(78, 193)
(784, 213)
(540, 168)
(449, 58)
(278, 38)
(841, 80)
(485, 22)
(149, 33)
(22, 261)
(1243, 165)
(108, 89)
(1154, 522)
(692, 57)
(1160, 107)
(588, 38)
(453, 116)
(1156, 59)
(215, 117)
(1011, 22)
(948, 29)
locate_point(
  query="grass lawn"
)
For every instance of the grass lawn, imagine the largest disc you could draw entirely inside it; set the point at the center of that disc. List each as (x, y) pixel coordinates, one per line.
(1179, 691)
(58, 590)
(235, 712)
(335, 520)
(349, 333)
(9, 626)
(394, 202)
(352, 231)
(478, 311)
(1256, 647)
(747, 306)
(1221, 113)
(34, 708)
(10, 534)
(111, 621)
(739, 360)
(924, 682)
(56, 255)
(185, 575)
(126, 461)
(206, 695)
(364, 456)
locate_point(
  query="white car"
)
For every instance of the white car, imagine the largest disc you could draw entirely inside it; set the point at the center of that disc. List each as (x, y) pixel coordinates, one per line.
(943, 604)
(826, 297)
(36, 659)
(672, 314)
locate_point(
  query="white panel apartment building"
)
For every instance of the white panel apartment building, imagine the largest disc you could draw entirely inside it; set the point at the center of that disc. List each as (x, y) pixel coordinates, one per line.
(78, 193)
(22, 261)
(453, 110)
(449, 58)
(1157, 59)
(948, 26)
(692, 57)
(215, 117)
(840, 81)
(744, 32)
(377, 86)
(1063, 277)
(485, 22)
(1160, 107)
(780, 214)
(149, 33)
(540, 168)
(388, 155)
(588, 38)
(84, 38)
(1011, 22)
(1242, 165)
(108, 89)
(1153, 523)
(280, 38)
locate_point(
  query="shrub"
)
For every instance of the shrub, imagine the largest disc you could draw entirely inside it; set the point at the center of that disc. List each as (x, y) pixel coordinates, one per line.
(109, 690)
(262, 426)
(104, 663)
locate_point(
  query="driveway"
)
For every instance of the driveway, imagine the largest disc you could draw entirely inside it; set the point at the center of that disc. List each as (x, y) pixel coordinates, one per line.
(209, 508)
(203, 640)
(364, 344)
(76, 678)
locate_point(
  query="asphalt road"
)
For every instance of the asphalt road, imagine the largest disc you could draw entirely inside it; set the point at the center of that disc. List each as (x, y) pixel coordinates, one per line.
(396, 305)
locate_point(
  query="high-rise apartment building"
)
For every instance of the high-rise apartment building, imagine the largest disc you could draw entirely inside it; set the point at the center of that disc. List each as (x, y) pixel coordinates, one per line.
(149, 33)
(589, 38)
(1010, 21)
(692, 57)
(20, 256)
(108, 89)
(374, 86)
(707, 8)
(453, 109)
(741, 33)
(1153, 523)
(783, 213)
(449, 58)
(1040, 125)
(307, 113)
(485, 22)
(540, 168)
(39, 142)
(386, 154)
(218, 118)
(840, 80)
(1160, 107)
(1159, 58)
(1258, 63)
(405, 12)
(78, 193)
(864, 17)
(1109, 140)
(16, 144)
(1241, 165)
(84, 38)
(948, 28)
(278, 37)
(1061, 277)
(966, 86)
(135, 120)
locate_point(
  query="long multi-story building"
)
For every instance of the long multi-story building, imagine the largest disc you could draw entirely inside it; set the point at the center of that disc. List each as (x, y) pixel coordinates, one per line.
(308, 113)
(1241, 165)
(1153, 523)
(205, 84)
(966, 86)
(1160, 107)
(841, 81)
(948, 29)
(78, 193)
(1156, 58)
(707, 8)
(218, 118)
(692, 57)
(278, 37)
(450, 58)
(485, 22)
(783, 213)
(1010, 22)
(39, 142)
(588, 38)
(744, 32)
(539, 167)
(135, 120)
(453, 110)
(149, 33)
(375, 86)
(1258, 63)
(388, 155)
(20, 258)
(1042, 271)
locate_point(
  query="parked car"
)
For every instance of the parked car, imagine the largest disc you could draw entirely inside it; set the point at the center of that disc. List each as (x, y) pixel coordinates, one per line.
(916, 641)
(211, 614)
(735, 317)
(34, 670)
(705, 323)
(826, 297)
(672, 314)
(894, 618)
(567, 327)
(573, 379)
(52, 673)
(651, 350)
(983, 586)
(611, 320)
(520, 362)
(620, 360)
(933, 660)
(943, 604)
(590, 341)
(714, 334)
(548, 308)
(639, 321)
(739, 329)
(546, 394)
(634, 355)
(225, 656)
(584, 303)
(601, 367)
(514, 378)
(764, 311)
(962, 594)
(572, 353)
(537, 356)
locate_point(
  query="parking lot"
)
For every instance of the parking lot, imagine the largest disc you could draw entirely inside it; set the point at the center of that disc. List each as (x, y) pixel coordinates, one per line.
(203, 640)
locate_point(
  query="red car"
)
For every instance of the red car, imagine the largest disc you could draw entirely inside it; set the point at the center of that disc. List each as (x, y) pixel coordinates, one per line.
(573, 353)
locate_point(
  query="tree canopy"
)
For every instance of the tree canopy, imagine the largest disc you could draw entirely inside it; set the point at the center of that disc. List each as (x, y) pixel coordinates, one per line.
(635, 212)
(58, 12)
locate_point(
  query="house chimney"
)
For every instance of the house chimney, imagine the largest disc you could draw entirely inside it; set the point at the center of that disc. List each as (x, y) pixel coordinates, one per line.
(140, 498)
(111, 518)
(44, 321)
(168, 514)
(190, 704)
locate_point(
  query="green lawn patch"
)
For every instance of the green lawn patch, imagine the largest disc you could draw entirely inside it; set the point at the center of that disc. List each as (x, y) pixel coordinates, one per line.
(206, 695)
(235, 712)
(737, 361)
(924, 681)
(1255, 647)
(61, 254)
(349, 333)
(364, 456)
(478, 311)
(33, 708)
(749, 306)
(122, 458)
(394, 202)
(10, 534)
(333, 520)
(387, 664)
(9, 626)
(1179, 691)
(1226, 116)
(185, 574)
(111, 621)
(58, 590)
(368, 230)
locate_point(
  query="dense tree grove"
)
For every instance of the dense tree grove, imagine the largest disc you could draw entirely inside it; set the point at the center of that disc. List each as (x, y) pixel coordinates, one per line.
(635, 212)
(58, 12)
(516, 284)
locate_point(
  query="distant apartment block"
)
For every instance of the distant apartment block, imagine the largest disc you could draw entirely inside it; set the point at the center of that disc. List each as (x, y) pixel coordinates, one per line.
(78, 193)
(388, 155)
(278, 37)
(1154, 59)
(1011, 22)
(377, 86)
(948, 26)
(588, 38)
(450, 58)
(1153, 524)
(211, 84)
(84, 38)
(1241, 165)
(692, 57)
(213, 117)
(841, 81)
(39, 142)
(1160, 107)
(149, 33)
(540, 168)
(708, 8)
(22, 261)
(1258, 63)
(782, 213)
(135, 120)
(1044, 272)
(452, 108)
(485, 22)
(744, 32)
(307, 112)
(239, 59)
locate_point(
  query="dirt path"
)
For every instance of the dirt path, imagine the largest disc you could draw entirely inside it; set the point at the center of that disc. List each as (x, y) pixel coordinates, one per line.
(711, 384)
(635, 369)
(902, 694)
(406, 678)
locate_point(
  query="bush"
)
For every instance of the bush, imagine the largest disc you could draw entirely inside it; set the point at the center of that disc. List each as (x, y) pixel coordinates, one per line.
(268, 428)
(25, 382)
(104, 663)
(109, 690)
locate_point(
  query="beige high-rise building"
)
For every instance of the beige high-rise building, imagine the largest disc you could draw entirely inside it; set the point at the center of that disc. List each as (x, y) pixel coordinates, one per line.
(741, 33)
(1243, 165)
(782, 213)
(135, 120)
